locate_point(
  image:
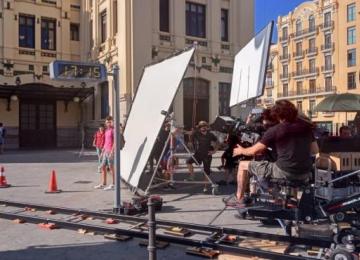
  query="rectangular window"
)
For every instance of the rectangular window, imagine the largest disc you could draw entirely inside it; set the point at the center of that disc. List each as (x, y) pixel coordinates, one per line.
(312, 68)
(91, 34)
(312, 45)
(312, 105)
(224, 99)
(312, 86)
(328, 63)
(285, 90)
(269, 92)
(285, 51)
(351, 78)
(26, 31)
(299, 106)
(299, 88)
(327, 19)
(298, 68)
(351, 12)
(351, 58)
(285, 71)
(351, 35)
(327, 41)
(195, 20)
(224, 25)
(104, 87)
(164, 11)
(74, 32)
(115, 14)
(103, 26)
(298, 48)
(48, 34)
(284, 33)
(328, 84)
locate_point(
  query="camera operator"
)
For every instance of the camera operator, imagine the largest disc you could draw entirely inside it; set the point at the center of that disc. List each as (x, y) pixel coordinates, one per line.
(202, 140)
(294, 143)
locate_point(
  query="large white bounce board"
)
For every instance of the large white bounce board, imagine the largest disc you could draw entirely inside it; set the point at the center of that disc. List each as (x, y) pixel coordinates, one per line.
(250, 68)
(156, 92)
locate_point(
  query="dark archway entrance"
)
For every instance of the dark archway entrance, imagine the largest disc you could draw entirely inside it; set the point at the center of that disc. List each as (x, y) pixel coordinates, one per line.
(196, 101)
(37, 123)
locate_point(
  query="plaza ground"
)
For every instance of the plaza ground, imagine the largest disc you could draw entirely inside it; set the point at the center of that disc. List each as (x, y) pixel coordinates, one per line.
(28, 172)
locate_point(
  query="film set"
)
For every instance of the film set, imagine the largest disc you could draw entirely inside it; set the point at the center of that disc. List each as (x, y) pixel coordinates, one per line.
(175, 129)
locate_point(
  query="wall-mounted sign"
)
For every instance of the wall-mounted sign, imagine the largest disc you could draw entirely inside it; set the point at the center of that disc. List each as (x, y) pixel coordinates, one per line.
(69, 70)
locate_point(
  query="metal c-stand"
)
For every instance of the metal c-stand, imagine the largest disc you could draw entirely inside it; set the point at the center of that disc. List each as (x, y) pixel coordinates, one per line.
(170, 141)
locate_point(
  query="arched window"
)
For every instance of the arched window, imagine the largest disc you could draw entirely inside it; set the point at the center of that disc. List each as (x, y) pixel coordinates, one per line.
(298, 27)
(311, 23)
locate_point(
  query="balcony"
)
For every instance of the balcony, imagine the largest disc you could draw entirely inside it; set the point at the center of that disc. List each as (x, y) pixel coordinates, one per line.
(328, 47)
(285, 76)
(305, 33)
(284, 58)
(298, 55)
(190, 41)
(301, 93)
(327, 26)
(284, 39)
(328, 69)
(305, 73)
(311, 51)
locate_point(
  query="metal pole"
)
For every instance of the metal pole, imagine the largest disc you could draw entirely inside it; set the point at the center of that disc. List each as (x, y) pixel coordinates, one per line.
(152, 230)
(117, 201)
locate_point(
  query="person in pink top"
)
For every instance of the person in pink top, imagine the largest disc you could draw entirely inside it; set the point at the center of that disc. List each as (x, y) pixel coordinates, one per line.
(107, 155)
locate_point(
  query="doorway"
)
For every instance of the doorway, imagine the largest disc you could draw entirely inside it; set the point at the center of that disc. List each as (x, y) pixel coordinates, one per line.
(37, 124)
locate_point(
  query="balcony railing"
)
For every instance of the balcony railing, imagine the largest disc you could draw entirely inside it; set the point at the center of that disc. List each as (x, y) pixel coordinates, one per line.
(305, 32)
(284, 38)
(285, 57)
(311, 51)
(312, 92)
(326, 69)
(328, 47)
(327, 25)
(305, 72)
(298, 54)
(285, 76)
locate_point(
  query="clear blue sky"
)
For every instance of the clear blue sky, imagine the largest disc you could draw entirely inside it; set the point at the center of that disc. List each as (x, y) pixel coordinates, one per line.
(267, 10)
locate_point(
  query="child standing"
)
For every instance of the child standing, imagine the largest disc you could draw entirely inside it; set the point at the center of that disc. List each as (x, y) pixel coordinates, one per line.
(98, 143)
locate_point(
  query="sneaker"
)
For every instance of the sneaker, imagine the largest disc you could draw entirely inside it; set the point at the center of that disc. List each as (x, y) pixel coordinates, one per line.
(100, 186)
(233, 201)
(110, 187)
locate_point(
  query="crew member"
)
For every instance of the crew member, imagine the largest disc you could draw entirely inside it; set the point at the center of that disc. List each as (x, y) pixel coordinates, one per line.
(294, 143)
(202, 140)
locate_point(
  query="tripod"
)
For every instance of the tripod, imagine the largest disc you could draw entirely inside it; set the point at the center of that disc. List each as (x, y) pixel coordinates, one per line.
(170, 142)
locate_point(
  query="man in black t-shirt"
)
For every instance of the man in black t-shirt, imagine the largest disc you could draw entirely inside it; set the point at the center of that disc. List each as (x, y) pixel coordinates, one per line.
(202, 140)
(294, 143)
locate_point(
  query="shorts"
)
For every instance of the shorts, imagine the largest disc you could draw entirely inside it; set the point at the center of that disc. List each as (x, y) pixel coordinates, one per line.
(205, 160)
(106, 160)
(268, 170)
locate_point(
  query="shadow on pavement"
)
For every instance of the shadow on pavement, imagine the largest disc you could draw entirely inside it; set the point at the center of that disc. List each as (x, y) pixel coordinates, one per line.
(93, 251)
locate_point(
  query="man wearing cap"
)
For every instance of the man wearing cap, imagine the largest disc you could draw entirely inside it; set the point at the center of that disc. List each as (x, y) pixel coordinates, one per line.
(202, 140)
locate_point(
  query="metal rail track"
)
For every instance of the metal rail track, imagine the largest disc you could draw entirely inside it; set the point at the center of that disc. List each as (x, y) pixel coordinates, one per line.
(187, 241)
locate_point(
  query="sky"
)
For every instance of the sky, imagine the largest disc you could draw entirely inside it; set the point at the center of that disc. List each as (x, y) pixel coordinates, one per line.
(267, 10)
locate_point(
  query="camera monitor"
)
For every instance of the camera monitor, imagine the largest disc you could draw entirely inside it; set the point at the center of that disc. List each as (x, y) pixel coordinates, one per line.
(250, 68)
(156, 92)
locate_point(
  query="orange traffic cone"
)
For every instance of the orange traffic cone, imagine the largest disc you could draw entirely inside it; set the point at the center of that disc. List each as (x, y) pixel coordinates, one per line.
(3, 182)
(52, 184)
